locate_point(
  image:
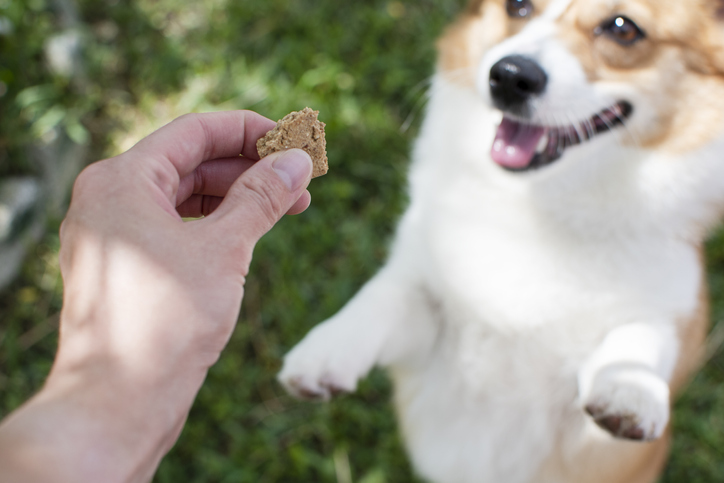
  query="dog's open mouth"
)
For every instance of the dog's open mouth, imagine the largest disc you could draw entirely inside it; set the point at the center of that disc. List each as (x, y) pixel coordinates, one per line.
(522, 147)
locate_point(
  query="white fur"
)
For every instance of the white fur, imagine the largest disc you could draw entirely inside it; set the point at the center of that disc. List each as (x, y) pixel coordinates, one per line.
(512, 301)
(627, 376)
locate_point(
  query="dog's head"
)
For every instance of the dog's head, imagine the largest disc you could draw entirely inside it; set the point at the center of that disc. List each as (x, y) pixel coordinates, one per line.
(646, 73)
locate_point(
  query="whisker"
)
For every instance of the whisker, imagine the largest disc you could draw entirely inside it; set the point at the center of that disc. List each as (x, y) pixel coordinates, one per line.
(631, 132)
(459, 74)
(421, 86)
(428, 85)
(559, 126)
(576, 127)
(415, 111)
(612, 127)
(418, 97)
(590, 128)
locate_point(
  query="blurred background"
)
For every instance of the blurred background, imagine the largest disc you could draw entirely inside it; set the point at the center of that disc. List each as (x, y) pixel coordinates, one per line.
(85, 79)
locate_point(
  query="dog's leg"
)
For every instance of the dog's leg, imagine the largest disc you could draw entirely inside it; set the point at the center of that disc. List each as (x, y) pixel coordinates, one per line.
(375, 327)
(624, 385)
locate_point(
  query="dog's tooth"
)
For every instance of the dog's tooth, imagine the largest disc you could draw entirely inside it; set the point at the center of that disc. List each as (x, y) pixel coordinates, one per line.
(554, 142)
(542, 143)
(599, 123)
(585, 130)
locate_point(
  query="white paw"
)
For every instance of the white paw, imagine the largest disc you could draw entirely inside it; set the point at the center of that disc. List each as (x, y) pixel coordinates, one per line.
(328, 361)
(629, 401)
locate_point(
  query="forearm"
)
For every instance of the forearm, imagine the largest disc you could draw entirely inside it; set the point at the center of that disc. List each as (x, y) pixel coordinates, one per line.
(149, 301)
(90, 424)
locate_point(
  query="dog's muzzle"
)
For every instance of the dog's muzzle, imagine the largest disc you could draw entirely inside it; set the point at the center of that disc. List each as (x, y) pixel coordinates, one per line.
(520, 145)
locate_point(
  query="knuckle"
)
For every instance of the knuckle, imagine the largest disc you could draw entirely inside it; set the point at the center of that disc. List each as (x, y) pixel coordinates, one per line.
(199, 176)
(267, 198)
(198, 122)
(189, 117)
(87, 179)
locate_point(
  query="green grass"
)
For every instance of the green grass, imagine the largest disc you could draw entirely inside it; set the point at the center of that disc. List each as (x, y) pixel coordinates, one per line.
(364, 65)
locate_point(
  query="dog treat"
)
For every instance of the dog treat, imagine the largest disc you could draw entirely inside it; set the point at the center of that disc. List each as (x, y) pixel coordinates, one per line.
(301, 130)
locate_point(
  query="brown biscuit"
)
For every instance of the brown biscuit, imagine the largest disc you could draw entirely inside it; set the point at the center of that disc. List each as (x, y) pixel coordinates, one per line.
(301, 130)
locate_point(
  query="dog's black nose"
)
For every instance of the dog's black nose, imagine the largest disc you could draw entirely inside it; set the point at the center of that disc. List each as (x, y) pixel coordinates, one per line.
(514, 80)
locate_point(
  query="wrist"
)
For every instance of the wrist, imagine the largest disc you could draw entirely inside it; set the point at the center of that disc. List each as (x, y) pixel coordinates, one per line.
(96, 420)
(149, 400)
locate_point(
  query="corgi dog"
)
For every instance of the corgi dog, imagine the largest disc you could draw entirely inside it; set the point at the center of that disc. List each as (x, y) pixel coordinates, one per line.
(545, 294)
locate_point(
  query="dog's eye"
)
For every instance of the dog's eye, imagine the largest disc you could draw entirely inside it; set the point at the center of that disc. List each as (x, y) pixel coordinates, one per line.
(519, 8)
(621, 29)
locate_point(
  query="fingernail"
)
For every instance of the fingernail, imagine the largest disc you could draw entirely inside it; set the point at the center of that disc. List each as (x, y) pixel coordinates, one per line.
(294, 167)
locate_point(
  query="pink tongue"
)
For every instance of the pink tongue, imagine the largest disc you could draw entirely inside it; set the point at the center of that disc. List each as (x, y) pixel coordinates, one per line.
(515, 144)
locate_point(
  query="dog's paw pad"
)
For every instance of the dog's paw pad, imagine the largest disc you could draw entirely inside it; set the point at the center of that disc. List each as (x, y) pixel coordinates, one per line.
(321, 386)
(303, 390)
(327, 362)
(629, 403)
(336, 390)
(626, 426)
(309, 390)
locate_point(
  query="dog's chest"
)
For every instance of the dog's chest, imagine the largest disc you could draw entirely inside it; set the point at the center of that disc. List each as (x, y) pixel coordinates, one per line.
(522, 305)
(499, 263)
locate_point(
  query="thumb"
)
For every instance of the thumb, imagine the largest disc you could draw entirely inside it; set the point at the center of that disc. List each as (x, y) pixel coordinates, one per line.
(263, 194)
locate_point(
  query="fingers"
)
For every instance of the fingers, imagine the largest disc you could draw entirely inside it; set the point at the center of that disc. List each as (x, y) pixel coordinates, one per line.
(200, 205)
(202, 191)
(262, 195)
(197, 206)
(194, 138)
(301, 204)
(212, 178)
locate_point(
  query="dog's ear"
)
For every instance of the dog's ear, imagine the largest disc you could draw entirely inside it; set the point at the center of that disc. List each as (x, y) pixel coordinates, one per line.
(705, 51)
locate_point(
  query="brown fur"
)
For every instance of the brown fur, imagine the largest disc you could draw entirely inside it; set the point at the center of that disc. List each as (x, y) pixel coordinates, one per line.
(679, 66)
(599, 459)
(602, 460)
(465, 41)
(692, 336)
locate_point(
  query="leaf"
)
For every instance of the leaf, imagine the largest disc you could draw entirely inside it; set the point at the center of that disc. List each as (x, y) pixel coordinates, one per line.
(376, 475)
(32, 95)
(49, 120)
(77, 132)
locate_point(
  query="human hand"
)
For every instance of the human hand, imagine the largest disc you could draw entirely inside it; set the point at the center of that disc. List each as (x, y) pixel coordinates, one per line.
(150, 301)
(127, 256)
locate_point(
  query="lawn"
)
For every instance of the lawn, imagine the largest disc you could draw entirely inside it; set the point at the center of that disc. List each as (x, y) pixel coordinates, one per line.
(365, 66)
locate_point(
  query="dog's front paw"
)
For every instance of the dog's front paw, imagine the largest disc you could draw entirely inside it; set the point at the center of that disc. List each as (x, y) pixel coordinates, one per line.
(316, 373)
(327, 362)
(630, 402)
(313, 388)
